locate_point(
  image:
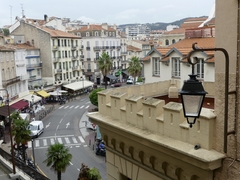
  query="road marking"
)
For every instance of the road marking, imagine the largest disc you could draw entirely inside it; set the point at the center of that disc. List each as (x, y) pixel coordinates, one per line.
(70, 162)
(55, 136)
(57, 127)
(66, 107)
(88, 102)
(77, 146)
(71, 107)
(61, 120)
(59, 140)
(67, 125)
(81, 139)
(67, 140)
(44, 142)
(36, 143)
(61, 107)
(81, 107)
(74, 140)
(76, 107)
(48, 125)
(52, 141)
(85, 145)
(78, 169)
(86, 107)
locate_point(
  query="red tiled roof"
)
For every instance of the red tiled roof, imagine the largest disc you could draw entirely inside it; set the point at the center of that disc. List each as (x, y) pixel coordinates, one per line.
(20, 46)
(132, 48)
(163, 51)
(176, 31)
(165, 59)
(147, 58)
(93, 27)
(58, 33)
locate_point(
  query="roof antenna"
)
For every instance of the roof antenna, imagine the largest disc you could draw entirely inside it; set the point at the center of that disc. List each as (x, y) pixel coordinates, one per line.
(11, 13)
(22, 11)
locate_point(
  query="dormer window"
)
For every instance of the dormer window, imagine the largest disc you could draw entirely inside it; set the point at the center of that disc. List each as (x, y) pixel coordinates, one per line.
(79, 34)
(96, 33)
(87, 34)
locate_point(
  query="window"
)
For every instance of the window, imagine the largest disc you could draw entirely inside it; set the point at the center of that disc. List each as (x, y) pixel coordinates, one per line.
(7, 56)
(173, 41)
(39, 72)
(89, 66)
(1, 57)
(96, 33)
(176, 67)
(156, 66)
(87, 34)
(113, 34)
(110, 34)
(200, 69)
(167, 42)
(79, 34)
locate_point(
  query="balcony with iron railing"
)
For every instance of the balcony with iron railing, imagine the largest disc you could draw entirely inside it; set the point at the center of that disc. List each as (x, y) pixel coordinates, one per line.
(10, 81)
(75, 68)
(89, 70)
(57, 71)
(88, 48)
(56, 59)
(202, 32)
(118, 47)
(95, 59)
(32, 78)
(124, 53)
(88, 59)
(73, 48)
(97, 48)
(36, 65)
(74, 58)
(81, 47)
(55, 48)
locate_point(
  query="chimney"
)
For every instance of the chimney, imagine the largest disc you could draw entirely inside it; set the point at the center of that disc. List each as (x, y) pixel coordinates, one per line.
(88, 26)
(32, 42)
(45, 18)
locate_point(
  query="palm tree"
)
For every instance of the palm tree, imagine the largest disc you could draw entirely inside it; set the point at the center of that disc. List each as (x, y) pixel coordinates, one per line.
(58, 157)
(105, 65)
(135, 67)
(20, 132)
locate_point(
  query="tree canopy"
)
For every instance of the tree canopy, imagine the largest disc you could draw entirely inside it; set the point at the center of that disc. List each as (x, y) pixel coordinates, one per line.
(93, 96)
(105, 65)
(135, 67)
(58, 158)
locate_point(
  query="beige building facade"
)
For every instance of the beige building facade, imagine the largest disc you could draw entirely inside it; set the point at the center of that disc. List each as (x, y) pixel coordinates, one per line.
(148, 139)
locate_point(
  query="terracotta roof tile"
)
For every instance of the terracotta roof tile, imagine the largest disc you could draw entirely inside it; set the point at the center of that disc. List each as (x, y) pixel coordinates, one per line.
(165, 59)
(163, 51)
(147, 58)
(93, 27)
(20, 46)
(211, 59)
(176, 31)
(132, 48)
(58, 33)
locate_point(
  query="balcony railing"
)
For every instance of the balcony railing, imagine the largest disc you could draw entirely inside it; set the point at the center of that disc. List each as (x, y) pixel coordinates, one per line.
(95, 59)
(124, 53)
(74, 58)
(55, 48)
(58, 71)
(97, 48)
(74, 48)
(88, 59)
(89, 70)
(81, 56)
(11, 81)
(34, 65)
(118, 47)
(81, 47)
(75, 68)
(56, 59)
(23, 77)
(87, 48)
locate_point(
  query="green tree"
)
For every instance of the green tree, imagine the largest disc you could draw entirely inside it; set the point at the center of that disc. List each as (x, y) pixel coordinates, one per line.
(93, 96)
(58, 157)
(105, 66)
(20, 132)
(5, 32)
(87, 173)
(134, 68)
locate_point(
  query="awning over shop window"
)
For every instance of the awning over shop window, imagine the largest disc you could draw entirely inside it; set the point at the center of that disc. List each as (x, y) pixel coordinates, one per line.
(29, 98)
(79, 85)
(4, 110)
(111, 77)
(20, 105)
(43, 93)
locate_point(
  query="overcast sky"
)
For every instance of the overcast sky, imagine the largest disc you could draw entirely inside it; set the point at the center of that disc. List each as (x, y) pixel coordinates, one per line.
(109, 11)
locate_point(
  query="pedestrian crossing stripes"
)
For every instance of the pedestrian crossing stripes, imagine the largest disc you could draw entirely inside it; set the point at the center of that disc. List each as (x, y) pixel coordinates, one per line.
(66, 140)
(74, 107)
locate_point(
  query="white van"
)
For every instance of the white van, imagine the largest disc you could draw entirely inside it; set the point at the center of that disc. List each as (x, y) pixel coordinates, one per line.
(36, 128)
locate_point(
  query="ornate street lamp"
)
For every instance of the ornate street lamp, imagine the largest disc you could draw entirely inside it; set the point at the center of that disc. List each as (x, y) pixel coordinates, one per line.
(192, 95)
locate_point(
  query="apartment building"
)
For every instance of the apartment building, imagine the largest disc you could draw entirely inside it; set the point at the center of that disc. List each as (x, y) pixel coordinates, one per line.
(97, 39)
(135, 30)
(60, 52)
(8, 78)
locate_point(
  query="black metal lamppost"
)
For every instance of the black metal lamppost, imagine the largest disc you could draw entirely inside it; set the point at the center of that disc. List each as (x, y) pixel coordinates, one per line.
(32, 106)
(10, 130)
(82, 78)
(193, 94)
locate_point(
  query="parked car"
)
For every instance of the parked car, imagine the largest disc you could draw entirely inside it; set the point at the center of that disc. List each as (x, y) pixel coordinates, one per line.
(116, 85)
(130, 81)
(90, 125)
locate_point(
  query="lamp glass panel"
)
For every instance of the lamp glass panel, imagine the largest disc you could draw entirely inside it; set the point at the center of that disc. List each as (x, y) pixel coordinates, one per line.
(192, 104)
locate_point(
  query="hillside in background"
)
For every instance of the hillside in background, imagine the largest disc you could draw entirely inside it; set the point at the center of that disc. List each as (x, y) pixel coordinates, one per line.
(159, 25)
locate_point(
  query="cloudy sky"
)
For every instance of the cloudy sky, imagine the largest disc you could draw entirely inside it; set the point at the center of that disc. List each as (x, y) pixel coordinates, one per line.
(109, 11)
